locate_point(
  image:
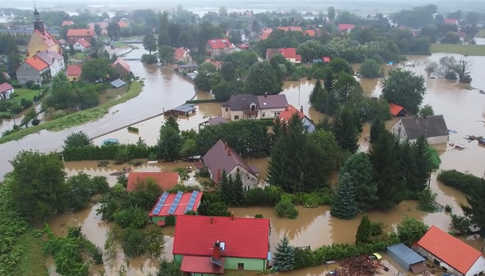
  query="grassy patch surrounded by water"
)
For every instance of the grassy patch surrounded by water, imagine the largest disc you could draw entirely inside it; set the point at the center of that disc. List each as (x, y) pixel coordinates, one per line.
(469, 50)
(32, 261)
(77, 118)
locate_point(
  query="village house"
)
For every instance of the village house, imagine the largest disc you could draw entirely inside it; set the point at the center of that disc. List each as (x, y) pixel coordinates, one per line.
(33, 69)
(54, 60)
(67, 23)
(265, 33)
(103, 26)
(247, 106)
(81, 45)
(216, 47)
(73, 72)
(74, 35)
(433, 128)
(217, 64)
(288, 53)
(174, 204)
(123, 23)
(451, 21)
(450, 253)
(345, 28)
(164, 180)
(209, 245)
(290, 111)
(221, 158)
(182, 55)
(41, 39)
(397, 110)
(290, 29)
(122, 68)
(6, 91)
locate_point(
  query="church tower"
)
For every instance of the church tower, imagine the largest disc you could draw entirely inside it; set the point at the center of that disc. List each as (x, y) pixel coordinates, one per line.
(38, 24)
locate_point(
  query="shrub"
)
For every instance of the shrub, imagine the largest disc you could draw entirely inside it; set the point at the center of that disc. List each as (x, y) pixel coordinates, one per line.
(170, 220)
(460, 225)
(460, 181)
(258, 216)
(133, 242)
(427, 201)
(149, 59)
(131, 217)
(370, 69)
(269, 196)
(411, 230)
(285, 208)
(204, 172)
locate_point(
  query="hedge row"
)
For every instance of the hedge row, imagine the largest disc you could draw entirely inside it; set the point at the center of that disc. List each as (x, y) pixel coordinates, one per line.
(108, 152)
(460, 181)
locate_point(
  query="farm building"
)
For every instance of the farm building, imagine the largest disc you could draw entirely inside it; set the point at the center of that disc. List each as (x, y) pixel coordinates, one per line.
(174, 204)
(407, 258)
(164, 180)
(226, 243)
(433, 128)
(181, 110)
(450, 253)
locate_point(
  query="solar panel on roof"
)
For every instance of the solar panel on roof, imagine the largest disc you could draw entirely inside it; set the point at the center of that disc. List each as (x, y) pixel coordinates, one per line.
(175, 203)
(191, 203)
(160, 203)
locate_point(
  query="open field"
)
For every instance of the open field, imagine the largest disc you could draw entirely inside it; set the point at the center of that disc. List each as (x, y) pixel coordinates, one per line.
(76, 118)
(468, 50)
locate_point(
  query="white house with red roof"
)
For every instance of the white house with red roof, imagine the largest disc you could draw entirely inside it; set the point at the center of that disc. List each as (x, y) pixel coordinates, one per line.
(222, 158)
(450, 253)
(81, 45)
(182, 54)
(288, 53)
(219, 46)
(122, 67)
(73, 72)
(265, 33)
(74, 35)
(451, 21)
(67, 23)
(347, 28)
(54, 60)
(209, 245)
(5, 91)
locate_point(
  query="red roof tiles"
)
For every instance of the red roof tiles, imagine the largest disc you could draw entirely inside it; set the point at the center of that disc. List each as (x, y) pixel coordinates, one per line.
(123, 64)
(67, 23)
(84, 43)
(290, 28)
(289, 112)
(220, 43)
(395, 109)
(74, 70)
(36, 63)
(451, 21)
(243, 237)
(310, 33)
(164, 180)
(179, 53)
(196, 264)
(449, 249)
(4, 87)
(266, 33)
(80, 32)
(345, 27)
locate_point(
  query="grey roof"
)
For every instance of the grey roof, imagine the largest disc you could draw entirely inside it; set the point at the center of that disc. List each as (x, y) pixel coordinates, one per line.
(405, 255)
(431, 126)
(185, 108)
(118, 83)
(272, 101)
(221, 158)
(48, 56)
(241, 101)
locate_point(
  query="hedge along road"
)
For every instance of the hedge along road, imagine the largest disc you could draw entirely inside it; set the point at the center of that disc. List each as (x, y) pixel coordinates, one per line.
(162, 90)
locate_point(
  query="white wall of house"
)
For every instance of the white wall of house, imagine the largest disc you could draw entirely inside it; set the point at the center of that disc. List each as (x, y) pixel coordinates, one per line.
(57, 66)
(269, 113)
(249, 180)
(78, 47)
(477, 268)
(6, 95)
(231, 115)
(435, 259)
(399, 131)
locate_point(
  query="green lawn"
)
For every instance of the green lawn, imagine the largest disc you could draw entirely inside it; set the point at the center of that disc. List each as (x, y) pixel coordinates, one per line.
(24, 93)
(32, 261)
(469, 50)
(76, 118)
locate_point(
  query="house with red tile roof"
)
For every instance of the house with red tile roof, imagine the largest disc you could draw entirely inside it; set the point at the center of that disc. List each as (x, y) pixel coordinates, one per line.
(174, 204)
(102, 25)
(67, 23)
(265, 33)
(451, 21)
(81, 45)
(164, 180)
(122, 68)
(290, 111)
(73, 72)
(219, 46)
(5, 91)
(310, 33)
(248, 106)
(290, 29)
(288, 53)
(210, 245)
(74, 35)
(54, 60)
(33, 69)
(123, 23)
(222, 158)
(347, 28)
(41, 39)
(448, 252)
(182, 55)
(397, 110)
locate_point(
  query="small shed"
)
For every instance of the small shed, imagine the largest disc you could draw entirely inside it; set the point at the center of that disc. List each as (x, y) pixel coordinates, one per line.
(118, 83)
(406, 257)
(185, 109)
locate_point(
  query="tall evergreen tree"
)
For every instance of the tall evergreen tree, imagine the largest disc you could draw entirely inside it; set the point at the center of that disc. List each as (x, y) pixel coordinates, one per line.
(225, 187)
(284, 259)
(346, 130)
(423, 164)
(376, 129)
(163, 37)
(170, 141)
(359, 168)
(476, 211)
(344, 205)
(237, 190)
(364, 231)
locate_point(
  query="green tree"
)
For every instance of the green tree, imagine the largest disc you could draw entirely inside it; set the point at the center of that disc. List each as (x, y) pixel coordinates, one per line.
(404, 88)
(364, 231)
(476, 211)
(376, 130)
(331, 13)
(96, 69)
(76, 139)
(284, 258)
(338, 65)
(150, 43)
(163, 36)
(423, 163)
(165, 53)
(344, 205)
(38, 186)
(370, 69)
(346, 129)
(262, 79)
(426, 111)
(410, 230)
(359, 169)
(286, 209)
(170, 141)
(114, 31)
(169, 269)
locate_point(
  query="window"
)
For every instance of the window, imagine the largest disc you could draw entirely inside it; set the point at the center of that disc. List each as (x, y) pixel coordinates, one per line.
(240, 266)
(236, 117)
(436, 262)
(227, 109)
(264, 114)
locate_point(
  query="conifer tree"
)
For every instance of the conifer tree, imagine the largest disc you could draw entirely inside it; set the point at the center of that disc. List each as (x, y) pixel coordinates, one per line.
(237, 190)
(364, 231)
(346, 130)
(284, 259)
(359, 168)
(225, 188)
(344, 205)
